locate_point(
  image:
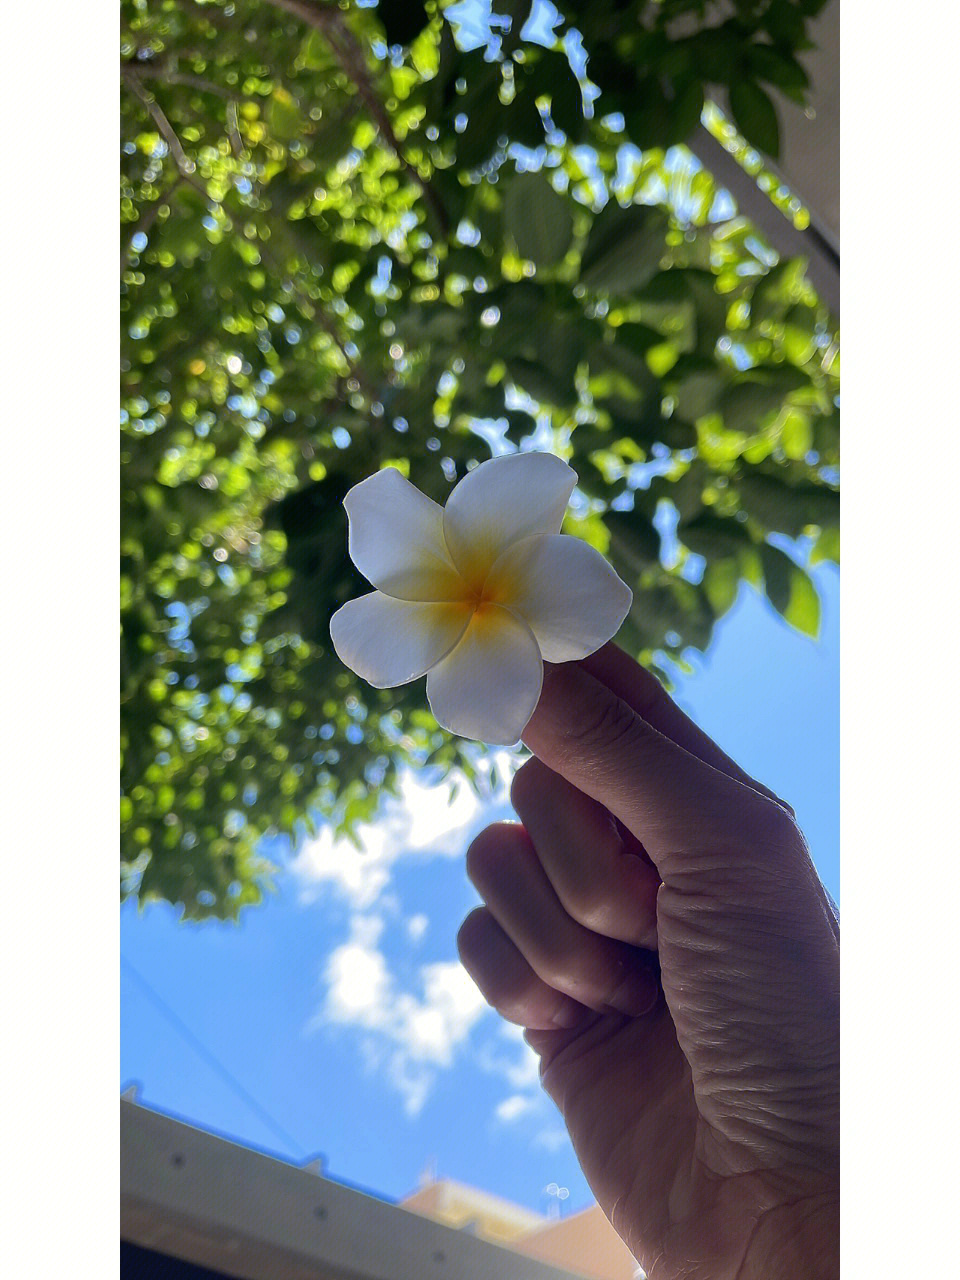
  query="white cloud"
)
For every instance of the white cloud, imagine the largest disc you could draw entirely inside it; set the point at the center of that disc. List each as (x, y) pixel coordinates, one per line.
(421, 822)
(450, 1007)
(360, 874)
(520, 1069)
(410, 1036)
(552, 1139)
(417, 926)
(408, 1031)
(522, 1072)
(512, 1108)
(358, 981)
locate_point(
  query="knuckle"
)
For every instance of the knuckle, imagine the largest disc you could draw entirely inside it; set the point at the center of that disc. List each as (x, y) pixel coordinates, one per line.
(511, 1000)
(588, 902)
(566, 969)
(776, 825)
(596, 915)
(611, 724)
(500, 988)
(554, 962)
(649, 695)
(788, 809)
(772, 797)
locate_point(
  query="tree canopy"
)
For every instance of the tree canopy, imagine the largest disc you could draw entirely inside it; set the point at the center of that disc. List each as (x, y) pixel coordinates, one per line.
(413, 235)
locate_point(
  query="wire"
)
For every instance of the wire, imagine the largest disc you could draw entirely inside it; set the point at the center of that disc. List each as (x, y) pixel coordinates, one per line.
(210, 1059)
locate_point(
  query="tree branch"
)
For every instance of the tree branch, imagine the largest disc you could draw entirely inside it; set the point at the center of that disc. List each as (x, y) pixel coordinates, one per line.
(329, 22)
(180, 158)
(159, 71)
(232, 119)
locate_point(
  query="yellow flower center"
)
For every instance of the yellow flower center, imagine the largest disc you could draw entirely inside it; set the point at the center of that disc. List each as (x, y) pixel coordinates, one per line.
(478, 597)
(481, 592)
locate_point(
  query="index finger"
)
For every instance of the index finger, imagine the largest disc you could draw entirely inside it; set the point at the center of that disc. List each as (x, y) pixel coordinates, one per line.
(688, 813)
(642, 691)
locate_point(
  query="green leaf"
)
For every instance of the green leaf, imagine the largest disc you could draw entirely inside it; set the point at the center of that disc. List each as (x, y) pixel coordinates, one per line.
(778, 290)
(283, 115)
(696, 383)
(826, 433)
(710, 308)
(718, 52)
(790, 590)
(624, 248)
(537, 381)
(675, 433)
(721, 583)
(487, 120)
(713, 537)
(425, 53)
(827, 547)
(648, 116)
(785, 23)
(779, 69)
(620, 375)
(538, 218)
(685, 492)
(796, 434)
(634, 542)
(749, 403)
(755, 117)
(521, 118)
(799, 333)
(310, 314)
(788, 508)
(518, 11)
(686, 110)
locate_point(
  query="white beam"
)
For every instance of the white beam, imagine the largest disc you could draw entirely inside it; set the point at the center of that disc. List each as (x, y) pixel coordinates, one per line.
(198, 1197)
(809, 164)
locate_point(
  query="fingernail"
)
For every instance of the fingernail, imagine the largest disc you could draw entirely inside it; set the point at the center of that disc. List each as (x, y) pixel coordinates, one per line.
(636, 995)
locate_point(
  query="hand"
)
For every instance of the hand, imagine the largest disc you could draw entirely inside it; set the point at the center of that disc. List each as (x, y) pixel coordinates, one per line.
(657, 926)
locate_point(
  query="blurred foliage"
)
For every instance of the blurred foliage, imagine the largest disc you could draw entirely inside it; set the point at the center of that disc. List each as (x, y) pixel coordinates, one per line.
(356, 237)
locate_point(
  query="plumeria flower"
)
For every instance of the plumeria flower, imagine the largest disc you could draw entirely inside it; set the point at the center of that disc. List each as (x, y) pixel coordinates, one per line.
(477, 594)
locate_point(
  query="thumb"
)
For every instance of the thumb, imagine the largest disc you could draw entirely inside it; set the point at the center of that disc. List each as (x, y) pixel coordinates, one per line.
(690, 816)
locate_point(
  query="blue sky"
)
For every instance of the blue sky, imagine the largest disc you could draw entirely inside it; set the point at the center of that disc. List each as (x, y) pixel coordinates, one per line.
(335, 1019)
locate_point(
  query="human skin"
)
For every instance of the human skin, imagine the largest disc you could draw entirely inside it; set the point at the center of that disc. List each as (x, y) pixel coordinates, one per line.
(656, 924)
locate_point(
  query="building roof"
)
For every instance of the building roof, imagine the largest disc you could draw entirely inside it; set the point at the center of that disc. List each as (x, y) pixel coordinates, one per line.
(469, 1208)
(584, 1242)
(190, 1195)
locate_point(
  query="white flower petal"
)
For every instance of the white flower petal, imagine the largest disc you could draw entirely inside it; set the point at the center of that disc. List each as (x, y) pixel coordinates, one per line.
(487, 688)
(570, 597)
(500, 501)
(396, 539)
(389, 642)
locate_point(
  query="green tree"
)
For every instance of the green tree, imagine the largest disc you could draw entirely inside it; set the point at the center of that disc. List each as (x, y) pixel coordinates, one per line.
(356, 237)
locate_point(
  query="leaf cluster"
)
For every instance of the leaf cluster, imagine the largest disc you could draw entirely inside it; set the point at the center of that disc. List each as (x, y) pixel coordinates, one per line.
(360, 237)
